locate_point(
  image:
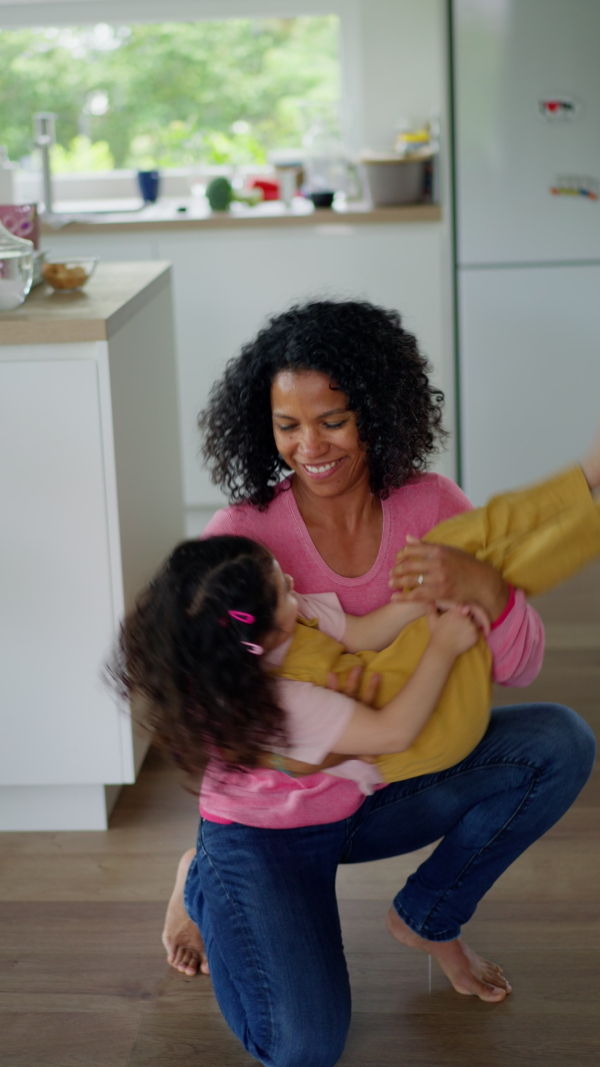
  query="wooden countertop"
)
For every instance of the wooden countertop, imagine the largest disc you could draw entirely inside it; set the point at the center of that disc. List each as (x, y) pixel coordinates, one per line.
(166, 214)
(114, 293)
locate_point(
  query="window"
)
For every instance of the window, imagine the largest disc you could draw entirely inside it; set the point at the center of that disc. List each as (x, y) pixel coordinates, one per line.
(171, 95)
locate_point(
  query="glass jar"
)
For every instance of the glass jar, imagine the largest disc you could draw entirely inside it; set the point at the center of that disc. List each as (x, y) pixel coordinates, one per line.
(328, 169)
(16, 269)
(323, 155)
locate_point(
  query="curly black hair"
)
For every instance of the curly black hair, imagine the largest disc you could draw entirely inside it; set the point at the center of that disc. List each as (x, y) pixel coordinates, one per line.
(366, 354)
(203, 691)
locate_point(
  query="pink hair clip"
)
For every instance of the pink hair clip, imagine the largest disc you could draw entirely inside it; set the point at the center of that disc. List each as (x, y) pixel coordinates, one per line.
(243, 616)
(256, 650)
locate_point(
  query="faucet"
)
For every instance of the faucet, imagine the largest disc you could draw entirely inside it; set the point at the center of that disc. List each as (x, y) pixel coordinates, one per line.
(44, 138)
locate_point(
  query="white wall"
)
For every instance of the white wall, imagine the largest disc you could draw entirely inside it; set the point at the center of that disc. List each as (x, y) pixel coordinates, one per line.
(402, 61)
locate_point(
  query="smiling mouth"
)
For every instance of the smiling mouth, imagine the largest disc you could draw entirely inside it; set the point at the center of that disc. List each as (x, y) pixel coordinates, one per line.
(320, 469)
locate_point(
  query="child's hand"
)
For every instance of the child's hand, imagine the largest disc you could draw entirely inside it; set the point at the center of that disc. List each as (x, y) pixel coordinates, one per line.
(478, 615)
(453, 631)
(352, 686)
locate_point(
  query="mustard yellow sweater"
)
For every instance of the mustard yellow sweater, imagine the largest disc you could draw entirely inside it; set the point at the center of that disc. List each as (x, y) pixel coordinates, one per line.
(536, 538)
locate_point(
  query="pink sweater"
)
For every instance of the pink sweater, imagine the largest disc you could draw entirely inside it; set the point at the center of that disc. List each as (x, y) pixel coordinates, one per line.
(269, 798)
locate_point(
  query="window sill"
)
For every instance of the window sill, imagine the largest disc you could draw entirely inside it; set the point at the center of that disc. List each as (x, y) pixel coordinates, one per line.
(181, 214)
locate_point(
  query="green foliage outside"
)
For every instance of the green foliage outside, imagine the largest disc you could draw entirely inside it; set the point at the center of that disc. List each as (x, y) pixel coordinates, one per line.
(170, 95)
(82, 156)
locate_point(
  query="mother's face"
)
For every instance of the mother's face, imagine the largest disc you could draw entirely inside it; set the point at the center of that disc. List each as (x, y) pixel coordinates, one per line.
(316, 434)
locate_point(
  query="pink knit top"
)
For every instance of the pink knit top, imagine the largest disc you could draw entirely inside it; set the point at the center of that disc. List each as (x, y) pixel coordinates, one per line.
(270, 798)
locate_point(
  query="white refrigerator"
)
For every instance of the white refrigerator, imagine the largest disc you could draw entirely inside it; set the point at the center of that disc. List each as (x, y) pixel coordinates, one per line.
(526, 150)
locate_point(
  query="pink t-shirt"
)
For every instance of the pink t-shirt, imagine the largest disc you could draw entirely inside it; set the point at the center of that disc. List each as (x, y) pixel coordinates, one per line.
(317, 717)
(270, 798)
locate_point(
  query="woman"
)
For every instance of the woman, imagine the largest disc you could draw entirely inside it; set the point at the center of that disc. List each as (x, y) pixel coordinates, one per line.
(337, 394)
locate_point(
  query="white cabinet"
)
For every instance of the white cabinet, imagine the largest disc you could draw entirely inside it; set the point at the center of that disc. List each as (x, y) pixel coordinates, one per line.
(90, 485)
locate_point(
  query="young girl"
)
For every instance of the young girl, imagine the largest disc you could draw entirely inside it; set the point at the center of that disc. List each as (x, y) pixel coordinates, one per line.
(223, 650)
(204, 646)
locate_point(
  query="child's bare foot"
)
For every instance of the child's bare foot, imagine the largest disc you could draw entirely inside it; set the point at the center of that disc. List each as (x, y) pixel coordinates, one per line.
(468, 973)
(590, 464)
(181, 937)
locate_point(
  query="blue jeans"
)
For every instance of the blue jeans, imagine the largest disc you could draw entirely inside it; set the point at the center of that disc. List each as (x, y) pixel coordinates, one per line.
(265, 902)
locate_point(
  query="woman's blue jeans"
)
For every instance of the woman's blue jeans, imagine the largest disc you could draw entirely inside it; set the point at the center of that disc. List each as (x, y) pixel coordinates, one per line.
(265, 902)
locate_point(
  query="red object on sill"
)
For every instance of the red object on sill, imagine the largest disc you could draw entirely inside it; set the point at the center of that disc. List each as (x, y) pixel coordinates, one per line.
(269, 187)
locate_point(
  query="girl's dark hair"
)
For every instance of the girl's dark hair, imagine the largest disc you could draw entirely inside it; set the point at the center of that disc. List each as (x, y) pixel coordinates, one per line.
(204, 693)
(365, 353)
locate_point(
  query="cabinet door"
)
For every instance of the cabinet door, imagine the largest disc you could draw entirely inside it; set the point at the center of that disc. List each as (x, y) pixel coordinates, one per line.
(59, 724)
(529, 371)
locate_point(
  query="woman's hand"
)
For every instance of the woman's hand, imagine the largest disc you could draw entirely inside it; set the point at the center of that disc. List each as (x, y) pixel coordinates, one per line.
(431, 573)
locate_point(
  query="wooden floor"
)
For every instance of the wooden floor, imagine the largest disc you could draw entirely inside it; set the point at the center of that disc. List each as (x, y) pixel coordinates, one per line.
(83, 982)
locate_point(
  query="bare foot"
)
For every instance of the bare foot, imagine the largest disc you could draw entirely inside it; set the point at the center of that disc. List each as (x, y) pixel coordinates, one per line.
(181, 937)
(468, 973)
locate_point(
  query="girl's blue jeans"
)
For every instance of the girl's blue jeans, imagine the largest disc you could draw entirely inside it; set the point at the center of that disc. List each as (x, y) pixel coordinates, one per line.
(265, 902)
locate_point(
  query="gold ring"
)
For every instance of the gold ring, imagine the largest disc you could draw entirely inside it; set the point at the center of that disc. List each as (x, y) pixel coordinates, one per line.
(420, 579)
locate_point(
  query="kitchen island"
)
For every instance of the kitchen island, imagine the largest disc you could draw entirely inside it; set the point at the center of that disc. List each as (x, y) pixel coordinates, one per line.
(90, 476)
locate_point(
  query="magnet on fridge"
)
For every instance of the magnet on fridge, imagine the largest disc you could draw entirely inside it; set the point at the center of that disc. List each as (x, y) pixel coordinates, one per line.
(559, 108)
(580, 185)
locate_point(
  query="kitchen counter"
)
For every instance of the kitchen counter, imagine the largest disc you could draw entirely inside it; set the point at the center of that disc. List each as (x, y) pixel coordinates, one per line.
(168, 214)
(113, 295)
(90, 482)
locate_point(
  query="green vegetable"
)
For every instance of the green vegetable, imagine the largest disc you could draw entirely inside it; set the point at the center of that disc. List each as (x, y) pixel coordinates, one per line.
(219, 194)
(251, 197)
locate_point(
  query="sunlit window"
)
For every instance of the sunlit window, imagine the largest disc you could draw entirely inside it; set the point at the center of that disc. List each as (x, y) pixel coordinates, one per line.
(170, 95)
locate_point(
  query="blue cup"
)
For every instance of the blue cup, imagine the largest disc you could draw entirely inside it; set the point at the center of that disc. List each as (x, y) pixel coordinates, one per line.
(149, 183)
